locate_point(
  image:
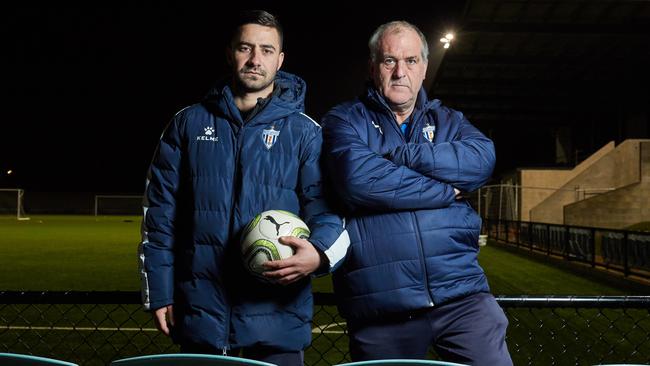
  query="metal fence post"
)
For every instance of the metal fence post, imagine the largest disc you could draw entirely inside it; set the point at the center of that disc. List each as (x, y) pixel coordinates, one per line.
(548, 249)
(498, 225)
(518, 238)
(626, 265)
(567, 238)
(593, 248)
(547, 237)
(531, 234)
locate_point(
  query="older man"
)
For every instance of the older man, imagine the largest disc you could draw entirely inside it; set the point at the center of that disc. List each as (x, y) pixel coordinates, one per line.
(401, 163)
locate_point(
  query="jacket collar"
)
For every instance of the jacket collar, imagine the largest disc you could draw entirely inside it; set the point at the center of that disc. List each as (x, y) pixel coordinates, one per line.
(287, 98)
(422, 104)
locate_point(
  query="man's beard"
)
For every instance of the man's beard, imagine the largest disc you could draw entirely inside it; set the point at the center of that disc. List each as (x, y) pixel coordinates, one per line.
(250, 85)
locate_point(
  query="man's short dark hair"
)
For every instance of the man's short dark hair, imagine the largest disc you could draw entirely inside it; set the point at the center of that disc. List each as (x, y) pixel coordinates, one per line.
(260, 17)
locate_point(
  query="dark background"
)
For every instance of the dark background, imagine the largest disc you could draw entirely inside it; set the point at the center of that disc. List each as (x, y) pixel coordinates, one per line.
(87, 89)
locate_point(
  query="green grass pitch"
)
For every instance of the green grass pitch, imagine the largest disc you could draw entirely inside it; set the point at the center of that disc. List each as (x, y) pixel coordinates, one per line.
(100, 253)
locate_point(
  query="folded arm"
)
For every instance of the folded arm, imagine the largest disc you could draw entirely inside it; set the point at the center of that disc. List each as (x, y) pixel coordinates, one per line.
(466, 162)
(367, 180)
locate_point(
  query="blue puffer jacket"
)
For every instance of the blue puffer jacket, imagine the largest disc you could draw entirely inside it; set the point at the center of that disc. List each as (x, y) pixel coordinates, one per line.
(210, 175)
(413, 245)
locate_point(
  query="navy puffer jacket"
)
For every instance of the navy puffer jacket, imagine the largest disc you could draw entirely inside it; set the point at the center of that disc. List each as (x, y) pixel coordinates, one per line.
(211, 174)
(413, 244)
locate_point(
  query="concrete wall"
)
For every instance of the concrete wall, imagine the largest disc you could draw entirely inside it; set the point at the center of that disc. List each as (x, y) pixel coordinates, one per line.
(613, 169)
(539, 184)
(625, 206)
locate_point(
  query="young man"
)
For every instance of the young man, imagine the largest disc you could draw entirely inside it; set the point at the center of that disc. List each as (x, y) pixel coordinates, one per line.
(246, 148)
(400, 162)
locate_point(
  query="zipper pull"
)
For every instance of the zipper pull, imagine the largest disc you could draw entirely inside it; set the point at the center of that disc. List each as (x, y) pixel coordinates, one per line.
(225, 351)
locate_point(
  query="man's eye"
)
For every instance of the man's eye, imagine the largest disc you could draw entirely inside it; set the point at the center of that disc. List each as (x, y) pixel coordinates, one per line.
(411, 61)
(389, 62)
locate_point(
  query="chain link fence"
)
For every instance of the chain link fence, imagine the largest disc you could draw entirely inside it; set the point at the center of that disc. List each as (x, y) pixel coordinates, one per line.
(94, 328)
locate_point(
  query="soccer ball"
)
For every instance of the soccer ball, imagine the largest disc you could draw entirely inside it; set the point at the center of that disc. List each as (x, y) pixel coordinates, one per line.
(260, 239)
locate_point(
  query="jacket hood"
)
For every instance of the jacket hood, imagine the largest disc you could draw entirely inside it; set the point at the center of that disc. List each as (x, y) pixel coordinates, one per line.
(288, 97)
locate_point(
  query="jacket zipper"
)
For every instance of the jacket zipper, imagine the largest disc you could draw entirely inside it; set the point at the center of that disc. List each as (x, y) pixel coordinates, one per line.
(233, 201)
(415, 219)
(396, 126)
(422, 258)
(416, 223)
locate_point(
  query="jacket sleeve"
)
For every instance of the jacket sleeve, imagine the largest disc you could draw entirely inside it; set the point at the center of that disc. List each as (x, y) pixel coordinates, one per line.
(327, 231)
(155, 252)
(466, 162)
(367, 180)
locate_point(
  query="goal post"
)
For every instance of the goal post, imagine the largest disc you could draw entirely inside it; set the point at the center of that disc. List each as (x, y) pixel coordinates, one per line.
(11, 202)
(118, 205)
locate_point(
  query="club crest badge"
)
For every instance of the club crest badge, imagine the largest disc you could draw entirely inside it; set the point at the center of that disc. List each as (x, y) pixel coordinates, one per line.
(270, 136)
(429, 132)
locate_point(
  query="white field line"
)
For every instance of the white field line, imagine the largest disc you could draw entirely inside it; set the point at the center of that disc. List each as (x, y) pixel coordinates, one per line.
(325, 328)
(317, 329)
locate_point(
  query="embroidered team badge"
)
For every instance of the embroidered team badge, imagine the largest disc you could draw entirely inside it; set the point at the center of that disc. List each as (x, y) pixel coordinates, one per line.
(270, 136)
(429, 132)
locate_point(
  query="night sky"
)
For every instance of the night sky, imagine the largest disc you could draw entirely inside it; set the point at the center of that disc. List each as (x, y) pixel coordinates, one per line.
(88, 89)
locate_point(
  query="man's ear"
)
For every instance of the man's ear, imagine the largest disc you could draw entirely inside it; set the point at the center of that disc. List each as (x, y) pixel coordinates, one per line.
(424, 76)
(280, 60)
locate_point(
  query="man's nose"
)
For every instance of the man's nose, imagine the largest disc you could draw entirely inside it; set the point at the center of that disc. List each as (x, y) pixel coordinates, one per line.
(254, 58)
(400, 69)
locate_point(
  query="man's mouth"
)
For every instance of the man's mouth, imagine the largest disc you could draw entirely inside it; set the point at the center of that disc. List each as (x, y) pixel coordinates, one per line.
(251, 72)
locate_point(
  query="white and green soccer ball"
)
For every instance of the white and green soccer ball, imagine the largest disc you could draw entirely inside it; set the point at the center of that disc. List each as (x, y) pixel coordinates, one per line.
(260, 239)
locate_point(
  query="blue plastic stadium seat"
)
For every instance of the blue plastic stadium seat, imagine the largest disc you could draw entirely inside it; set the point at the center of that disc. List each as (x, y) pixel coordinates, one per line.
(16, 359)
(401, 362)
(187, 359)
